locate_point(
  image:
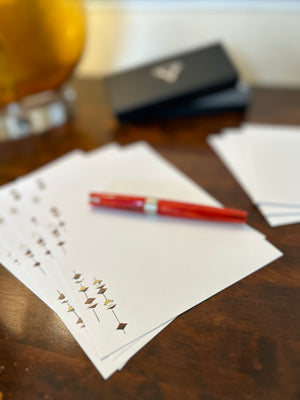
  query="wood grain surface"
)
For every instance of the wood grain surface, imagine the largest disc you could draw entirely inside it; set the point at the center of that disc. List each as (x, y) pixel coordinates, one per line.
(241, 344)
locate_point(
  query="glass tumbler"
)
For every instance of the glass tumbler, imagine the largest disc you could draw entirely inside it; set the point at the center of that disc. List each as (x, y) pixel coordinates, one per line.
(41, 42)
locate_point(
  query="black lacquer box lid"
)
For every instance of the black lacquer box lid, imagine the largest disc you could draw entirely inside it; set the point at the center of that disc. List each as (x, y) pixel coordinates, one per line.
(170, 81)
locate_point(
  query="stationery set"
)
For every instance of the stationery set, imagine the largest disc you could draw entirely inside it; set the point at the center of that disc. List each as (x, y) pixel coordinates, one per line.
(118, 242)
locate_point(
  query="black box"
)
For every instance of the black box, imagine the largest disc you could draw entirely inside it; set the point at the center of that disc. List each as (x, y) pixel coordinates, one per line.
(232, 99)
(142, 92)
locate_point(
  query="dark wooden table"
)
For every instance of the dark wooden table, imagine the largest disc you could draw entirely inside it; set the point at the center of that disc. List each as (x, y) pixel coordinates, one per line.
(241, 344)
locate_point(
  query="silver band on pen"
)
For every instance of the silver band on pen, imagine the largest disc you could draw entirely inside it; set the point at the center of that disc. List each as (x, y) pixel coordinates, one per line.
(150, 205)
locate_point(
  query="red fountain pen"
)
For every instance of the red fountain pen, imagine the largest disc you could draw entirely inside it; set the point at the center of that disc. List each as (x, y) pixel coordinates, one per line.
(150, 205)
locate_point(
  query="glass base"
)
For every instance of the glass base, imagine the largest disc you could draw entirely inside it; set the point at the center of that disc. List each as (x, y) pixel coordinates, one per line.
(36, 114)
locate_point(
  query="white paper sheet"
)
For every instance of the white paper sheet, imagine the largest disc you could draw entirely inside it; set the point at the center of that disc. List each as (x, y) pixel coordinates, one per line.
(174, 247)
(265, 160)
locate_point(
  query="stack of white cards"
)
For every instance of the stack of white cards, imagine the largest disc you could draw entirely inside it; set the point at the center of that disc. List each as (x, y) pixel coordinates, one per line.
(265, 160)
(117, 278)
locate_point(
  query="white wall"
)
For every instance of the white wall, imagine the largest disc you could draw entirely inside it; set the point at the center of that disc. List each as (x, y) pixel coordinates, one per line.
(265, 45)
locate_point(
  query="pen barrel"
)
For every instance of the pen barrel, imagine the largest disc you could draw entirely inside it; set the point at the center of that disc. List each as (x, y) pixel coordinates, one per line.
(194, 211)
(130, 203)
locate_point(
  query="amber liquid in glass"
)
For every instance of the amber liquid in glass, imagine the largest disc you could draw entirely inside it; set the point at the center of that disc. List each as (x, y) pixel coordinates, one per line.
(40, 44)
